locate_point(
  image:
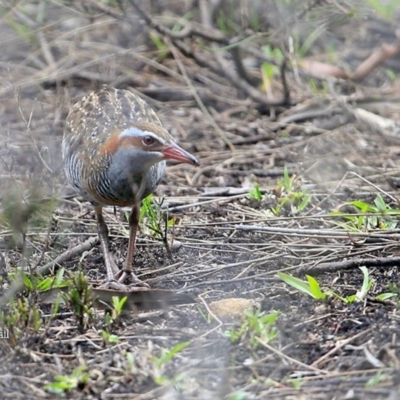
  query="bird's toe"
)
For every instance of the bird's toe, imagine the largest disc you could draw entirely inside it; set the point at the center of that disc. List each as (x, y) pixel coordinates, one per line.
(123, 276)
(120, 287)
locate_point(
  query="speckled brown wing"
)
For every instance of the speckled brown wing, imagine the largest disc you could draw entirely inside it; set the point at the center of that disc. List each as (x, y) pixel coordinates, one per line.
(90, 124)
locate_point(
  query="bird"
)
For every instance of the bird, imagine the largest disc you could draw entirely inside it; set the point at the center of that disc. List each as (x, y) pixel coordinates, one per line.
(114, 151)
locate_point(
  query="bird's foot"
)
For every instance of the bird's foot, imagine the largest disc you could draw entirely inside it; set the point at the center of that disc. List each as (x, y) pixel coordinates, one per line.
(123, 275)
(120, 287)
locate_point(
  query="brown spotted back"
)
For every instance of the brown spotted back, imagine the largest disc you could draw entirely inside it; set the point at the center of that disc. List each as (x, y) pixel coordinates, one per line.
(90, 124)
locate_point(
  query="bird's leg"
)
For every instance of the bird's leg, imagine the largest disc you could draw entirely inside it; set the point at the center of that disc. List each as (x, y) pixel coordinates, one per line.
(103, 236)
(127, 271)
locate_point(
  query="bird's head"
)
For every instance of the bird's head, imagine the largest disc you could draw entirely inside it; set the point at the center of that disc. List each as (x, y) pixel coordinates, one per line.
(148, 143)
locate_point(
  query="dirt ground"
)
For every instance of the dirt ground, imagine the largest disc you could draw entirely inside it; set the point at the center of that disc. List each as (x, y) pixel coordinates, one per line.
(338, 138)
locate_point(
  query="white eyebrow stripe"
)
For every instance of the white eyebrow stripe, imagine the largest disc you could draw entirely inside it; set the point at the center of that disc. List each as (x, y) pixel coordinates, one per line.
(136, 132)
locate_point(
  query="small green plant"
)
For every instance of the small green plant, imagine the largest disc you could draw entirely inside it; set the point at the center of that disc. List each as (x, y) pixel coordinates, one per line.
(154, 220)
(168, 354)
(379, 377)
(257, 326)
(361, 294)
(112, 315)
(239, 395)
(109, 337)
(79, 298)
(296, 383)
(301, 49)
(33, 283)
(386, 296)
(372, 216)
(313, 288)
(161, 361)
(290, 195)
(392, 75)
(163, 49)
(318, 88)
(77, 380)
(268, 70)
(394, 292)
(207, 317)
(255, 193)
(22, 317)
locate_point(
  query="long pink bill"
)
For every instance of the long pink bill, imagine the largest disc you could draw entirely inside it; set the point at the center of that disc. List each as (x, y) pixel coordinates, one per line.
(174, 152)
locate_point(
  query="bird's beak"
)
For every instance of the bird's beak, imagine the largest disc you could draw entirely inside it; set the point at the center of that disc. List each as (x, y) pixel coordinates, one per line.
(174, 152)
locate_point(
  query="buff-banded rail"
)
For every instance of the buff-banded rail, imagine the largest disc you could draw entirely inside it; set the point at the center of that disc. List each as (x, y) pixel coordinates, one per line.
(115, 151)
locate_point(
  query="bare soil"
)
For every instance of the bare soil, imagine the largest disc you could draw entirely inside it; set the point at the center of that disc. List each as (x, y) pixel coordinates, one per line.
(225, 244)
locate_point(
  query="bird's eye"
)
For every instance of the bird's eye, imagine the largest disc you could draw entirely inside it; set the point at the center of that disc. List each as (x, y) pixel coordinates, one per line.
(148, 140)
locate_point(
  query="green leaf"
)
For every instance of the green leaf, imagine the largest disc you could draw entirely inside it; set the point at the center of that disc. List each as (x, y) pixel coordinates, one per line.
(45, 284)
(168, 355)
(118, 303)
(385, 296)
(255, 193)
(58, 279)
(303, 204)
(28, 282)
(315, 288)
(362, 206)
(366, 285)
(296, 283)
(269, 318)
(350, 299)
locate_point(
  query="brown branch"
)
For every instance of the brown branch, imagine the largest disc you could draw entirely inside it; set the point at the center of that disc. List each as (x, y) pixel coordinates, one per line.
(377, 58)
(319, 269)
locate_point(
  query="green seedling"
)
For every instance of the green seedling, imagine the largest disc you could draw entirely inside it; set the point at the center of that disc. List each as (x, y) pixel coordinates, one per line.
(372, 216)
(255, 193)
(240, 395)
(77, 380)
(313, 288)
(186, 17)
(291, 195)
(223, 22)
(22, 317)
(366, 285)
(161, 362)
(379, 377)
(109, 337)
(296, 383)
(33, 283)
(268, 70)
(302, 49)
(207, 317)
(168, 355)
(112, 315)
(386, 296)
(79, 298)
(394, 292)
(163, 49)
(318, 88)
(392, 75)
(257, 326)
(154, 221)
